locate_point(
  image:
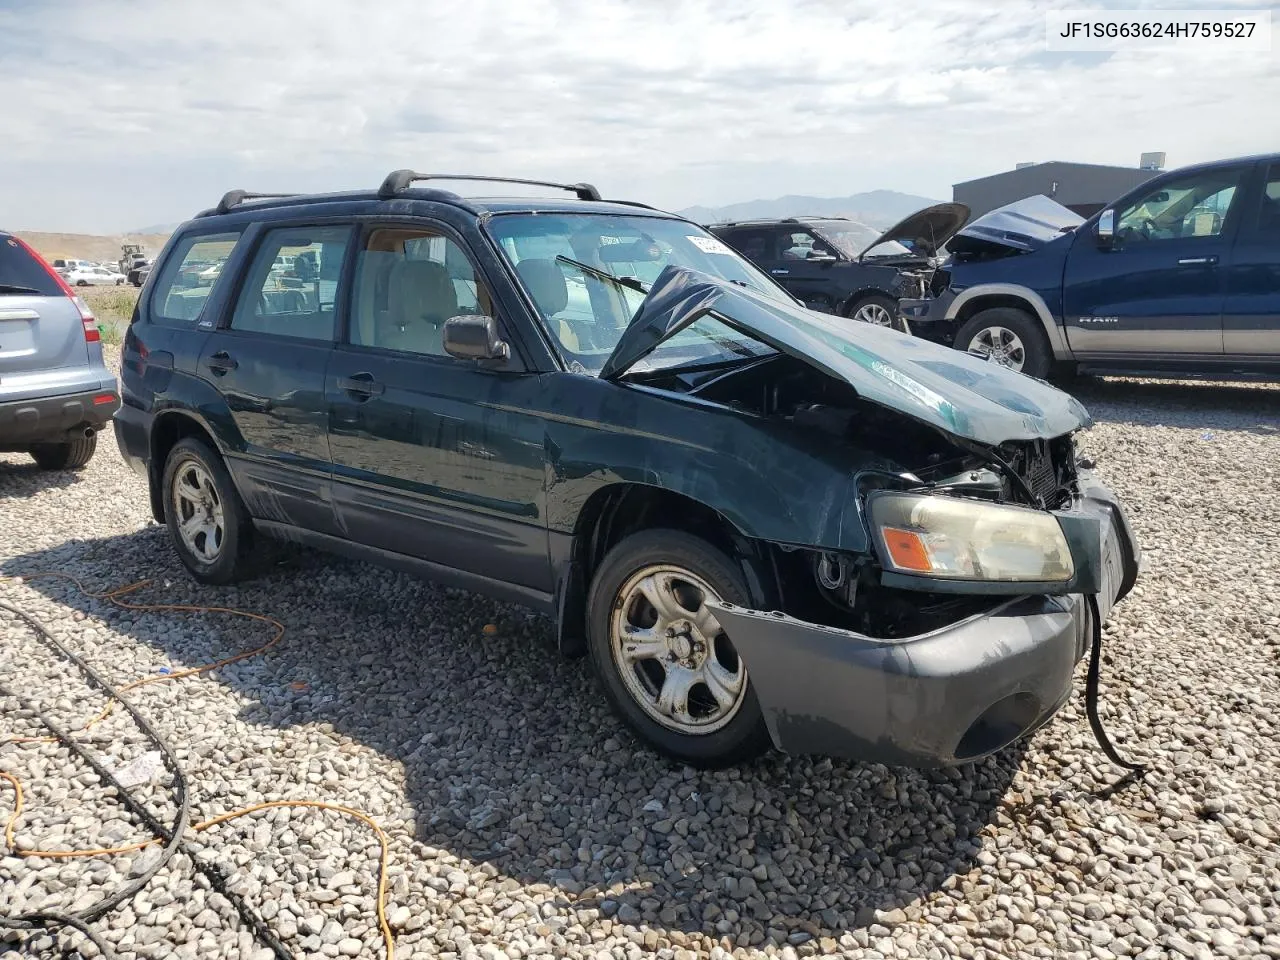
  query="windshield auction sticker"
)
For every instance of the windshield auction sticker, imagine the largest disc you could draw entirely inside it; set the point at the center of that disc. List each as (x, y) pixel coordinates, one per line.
(1109, 30)
(709, 245)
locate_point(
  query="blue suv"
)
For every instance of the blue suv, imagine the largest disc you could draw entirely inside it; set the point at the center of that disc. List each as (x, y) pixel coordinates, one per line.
(1179, 277)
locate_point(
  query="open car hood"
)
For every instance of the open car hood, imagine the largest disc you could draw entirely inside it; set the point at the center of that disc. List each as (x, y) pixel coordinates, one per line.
(925, 230)
(1024, 225)
(944, 388)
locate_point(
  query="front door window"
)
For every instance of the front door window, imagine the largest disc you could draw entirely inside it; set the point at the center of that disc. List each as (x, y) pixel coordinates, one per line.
(1193, 207)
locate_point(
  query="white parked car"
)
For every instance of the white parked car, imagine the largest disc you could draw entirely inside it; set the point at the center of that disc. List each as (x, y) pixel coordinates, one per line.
(85, 276)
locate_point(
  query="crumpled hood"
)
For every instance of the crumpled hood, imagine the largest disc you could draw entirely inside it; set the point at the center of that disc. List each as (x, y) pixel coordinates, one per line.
(1024, 225)
(944, 388)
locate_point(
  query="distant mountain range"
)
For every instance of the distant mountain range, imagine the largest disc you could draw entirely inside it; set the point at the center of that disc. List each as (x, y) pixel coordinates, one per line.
(876, 208)
(165, 228)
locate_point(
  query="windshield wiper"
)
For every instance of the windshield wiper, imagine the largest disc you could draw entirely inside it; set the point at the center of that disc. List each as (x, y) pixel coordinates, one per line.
(17, 288)
(631, 283)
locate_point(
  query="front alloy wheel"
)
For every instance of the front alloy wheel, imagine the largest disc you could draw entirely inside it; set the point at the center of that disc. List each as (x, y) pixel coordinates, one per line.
(874, 313)
(663, 660)
(672, 654)
(1000, 345)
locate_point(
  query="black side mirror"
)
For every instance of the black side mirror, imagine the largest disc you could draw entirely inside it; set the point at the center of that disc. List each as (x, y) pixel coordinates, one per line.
(474, 337)
(1105, 230)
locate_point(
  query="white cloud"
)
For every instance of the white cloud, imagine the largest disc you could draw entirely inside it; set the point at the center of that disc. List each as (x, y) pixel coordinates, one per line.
(122, 114)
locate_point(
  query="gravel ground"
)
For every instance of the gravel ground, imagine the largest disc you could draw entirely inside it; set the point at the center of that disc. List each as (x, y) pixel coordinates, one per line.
(525, 822)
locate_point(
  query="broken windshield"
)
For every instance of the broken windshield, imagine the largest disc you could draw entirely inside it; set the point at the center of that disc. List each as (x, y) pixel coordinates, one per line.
(587, 274)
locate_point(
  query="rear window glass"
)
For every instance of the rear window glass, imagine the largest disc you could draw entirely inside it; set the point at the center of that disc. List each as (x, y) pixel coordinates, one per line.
(190, 274)
(21, 273)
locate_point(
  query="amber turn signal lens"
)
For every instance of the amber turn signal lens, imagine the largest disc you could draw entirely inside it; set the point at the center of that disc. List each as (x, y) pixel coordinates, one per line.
(906, 550)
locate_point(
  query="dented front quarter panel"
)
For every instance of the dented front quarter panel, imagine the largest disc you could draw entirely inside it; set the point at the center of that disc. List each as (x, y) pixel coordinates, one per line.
(769, 482)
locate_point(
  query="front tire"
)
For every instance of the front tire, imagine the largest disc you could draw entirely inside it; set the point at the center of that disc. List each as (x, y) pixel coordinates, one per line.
(208, 523)
(879, 311)
(667, 668)
(1007, 336)
(64, 456)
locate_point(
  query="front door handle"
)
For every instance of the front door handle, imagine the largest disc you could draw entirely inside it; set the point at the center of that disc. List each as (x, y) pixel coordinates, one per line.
(222, 362)
(361, 384)
(1192, 261)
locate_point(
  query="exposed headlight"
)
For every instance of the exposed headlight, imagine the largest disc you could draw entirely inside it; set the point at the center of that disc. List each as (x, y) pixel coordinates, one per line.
(939, 536)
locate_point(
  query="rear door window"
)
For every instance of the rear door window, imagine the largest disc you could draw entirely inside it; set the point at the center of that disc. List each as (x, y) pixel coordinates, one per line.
(190, 274)
(756, 245)
(22, 274)
(292, 285)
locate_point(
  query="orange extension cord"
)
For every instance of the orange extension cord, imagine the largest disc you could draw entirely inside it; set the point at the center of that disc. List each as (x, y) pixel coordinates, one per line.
(114, 597)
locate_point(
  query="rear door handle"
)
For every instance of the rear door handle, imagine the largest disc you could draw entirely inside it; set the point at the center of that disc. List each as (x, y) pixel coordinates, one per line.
(1192, 261)
(361, 384)
(222, 362)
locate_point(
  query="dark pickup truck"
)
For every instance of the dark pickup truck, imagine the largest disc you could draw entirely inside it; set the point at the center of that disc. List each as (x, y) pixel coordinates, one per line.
(1179, 277)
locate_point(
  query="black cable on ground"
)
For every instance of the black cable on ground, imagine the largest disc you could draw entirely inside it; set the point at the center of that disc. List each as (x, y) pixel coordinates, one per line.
(104, 948)
(1091, 692)
(173, 836)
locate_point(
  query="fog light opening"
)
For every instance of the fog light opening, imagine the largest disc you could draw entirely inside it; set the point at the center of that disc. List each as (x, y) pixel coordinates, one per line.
(999, 725)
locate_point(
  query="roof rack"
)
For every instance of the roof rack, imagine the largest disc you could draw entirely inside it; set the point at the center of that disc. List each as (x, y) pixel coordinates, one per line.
(400, 180)
(233, 198)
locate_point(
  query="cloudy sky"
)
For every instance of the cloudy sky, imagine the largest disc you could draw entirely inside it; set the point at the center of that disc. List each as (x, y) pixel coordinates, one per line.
(117, 115)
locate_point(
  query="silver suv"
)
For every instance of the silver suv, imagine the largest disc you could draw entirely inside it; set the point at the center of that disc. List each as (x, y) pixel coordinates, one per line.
(55, 391)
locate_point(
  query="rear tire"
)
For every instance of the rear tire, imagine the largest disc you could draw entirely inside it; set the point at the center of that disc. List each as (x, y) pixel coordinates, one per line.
(1013, 335)
(64, 456)
(698, 725)
(208, 524)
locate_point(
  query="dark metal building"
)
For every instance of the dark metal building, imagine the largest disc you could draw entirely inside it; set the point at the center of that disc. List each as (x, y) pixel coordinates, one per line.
(1083, 187)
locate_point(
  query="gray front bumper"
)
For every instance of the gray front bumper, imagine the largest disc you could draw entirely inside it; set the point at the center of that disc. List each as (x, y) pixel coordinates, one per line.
(925, 317)
(941, 698)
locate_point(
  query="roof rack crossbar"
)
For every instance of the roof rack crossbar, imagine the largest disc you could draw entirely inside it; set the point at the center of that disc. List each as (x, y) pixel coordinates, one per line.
(233, 198)
(399, 180)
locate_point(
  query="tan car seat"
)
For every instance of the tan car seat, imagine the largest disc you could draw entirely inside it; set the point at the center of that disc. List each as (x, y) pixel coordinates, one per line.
(420, 298)
(546, 284)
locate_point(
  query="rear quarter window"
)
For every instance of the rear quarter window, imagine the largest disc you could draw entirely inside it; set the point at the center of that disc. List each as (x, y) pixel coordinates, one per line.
(21, 273)
(189, 276)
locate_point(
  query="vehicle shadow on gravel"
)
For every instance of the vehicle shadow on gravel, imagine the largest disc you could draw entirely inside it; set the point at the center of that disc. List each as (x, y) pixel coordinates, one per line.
(1206, 405)
(510, 756)
(20, 479)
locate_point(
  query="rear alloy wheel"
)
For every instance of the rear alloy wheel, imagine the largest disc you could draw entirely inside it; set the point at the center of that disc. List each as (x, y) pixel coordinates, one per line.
(1009, 337)
(64, 456)
(879, 312)
(667, 665)
(208, 524)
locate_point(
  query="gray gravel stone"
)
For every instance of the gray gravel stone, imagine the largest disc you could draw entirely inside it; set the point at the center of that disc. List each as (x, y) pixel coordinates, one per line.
(526, 823)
